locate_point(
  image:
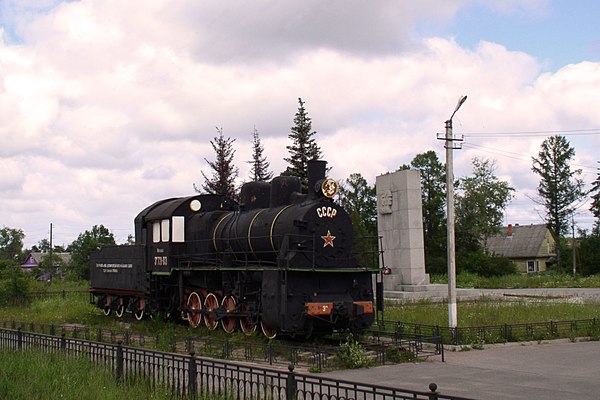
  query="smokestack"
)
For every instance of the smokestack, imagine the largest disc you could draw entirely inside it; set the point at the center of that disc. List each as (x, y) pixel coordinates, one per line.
(315, 173)
(509, 231)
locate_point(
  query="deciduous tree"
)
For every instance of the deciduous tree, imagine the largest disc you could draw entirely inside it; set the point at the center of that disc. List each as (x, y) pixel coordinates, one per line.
(595, 208)
(83, 246)
(433, 195)
(11, 245)
(359, 199)
(480, 203)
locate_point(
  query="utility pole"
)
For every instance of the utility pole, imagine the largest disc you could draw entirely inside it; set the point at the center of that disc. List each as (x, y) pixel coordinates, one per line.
(574, 246)
(449, 145)
(50, 251)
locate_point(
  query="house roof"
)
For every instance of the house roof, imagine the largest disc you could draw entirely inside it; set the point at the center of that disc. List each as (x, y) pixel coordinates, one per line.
(35, 258)
(525, 241)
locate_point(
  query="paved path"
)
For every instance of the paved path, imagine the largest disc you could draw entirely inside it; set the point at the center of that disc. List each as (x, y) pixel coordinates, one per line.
(587, 294)
(554, 370)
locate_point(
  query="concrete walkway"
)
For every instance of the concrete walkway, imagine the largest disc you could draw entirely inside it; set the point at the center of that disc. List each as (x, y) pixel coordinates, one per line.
(554, 370)
(440, 293)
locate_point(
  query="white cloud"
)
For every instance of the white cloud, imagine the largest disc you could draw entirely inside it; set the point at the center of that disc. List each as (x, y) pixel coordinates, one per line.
(109, 106)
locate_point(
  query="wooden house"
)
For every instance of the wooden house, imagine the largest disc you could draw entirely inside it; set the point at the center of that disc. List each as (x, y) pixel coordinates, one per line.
(531, 247)
(34, 260)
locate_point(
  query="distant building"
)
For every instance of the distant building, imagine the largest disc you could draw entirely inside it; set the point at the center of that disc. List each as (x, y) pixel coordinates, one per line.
(531, 247)
(34, 260)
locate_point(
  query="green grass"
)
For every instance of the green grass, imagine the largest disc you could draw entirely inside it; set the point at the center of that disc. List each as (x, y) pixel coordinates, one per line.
(489, 312)
(35, 375)
(54, 310)
(521, 281)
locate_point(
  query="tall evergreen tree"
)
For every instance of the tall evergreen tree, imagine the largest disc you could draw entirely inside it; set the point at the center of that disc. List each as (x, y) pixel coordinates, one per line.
(260, 166)
(303, 147)
(595, 208)
(481, 200)
(560, 186)
(224, 171)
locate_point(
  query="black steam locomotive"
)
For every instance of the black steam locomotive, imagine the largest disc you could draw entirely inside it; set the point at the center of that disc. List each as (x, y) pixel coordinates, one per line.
(279, 259)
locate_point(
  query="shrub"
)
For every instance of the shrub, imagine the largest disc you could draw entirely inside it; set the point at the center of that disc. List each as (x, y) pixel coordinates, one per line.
(484, 265)
(15, 286)
(352, 354)
(436, 265)
(398, 355)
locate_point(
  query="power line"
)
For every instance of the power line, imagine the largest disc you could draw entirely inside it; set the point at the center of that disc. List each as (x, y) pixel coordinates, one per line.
(566, 132)
(515, 156)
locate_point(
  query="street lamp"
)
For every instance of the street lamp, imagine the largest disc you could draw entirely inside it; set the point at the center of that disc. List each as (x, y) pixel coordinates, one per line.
(452, 318)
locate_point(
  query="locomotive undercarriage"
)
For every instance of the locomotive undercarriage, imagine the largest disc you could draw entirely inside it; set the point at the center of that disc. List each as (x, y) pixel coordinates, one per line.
(294, 303)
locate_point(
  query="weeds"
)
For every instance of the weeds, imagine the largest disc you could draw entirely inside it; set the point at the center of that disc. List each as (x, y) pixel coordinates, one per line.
(352, 354)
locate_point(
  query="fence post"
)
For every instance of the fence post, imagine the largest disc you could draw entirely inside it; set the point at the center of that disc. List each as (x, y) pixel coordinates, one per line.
(434, 393)
(291, 386)
(192, 370)
(63, 294)
(63, 342)
(320, 360)
(19, 339)
(269, 354)
(119, 366)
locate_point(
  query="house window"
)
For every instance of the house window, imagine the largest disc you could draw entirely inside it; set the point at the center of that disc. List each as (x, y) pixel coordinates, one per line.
(533, 266)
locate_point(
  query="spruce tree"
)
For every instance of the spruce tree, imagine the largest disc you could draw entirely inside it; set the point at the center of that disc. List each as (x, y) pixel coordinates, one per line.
(259, 172)
(303, 147)
(560, 186)
(224, 171)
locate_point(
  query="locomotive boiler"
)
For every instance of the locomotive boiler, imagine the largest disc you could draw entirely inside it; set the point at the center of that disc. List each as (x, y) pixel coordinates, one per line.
(278, 259)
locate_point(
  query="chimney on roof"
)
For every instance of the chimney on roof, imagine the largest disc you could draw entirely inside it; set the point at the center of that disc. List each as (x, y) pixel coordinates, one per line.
(509, 231)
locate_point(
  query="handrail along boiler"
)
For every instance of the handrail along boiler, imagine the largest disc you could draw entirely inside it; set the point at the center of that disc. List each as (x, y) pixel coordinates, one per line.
(279, 259)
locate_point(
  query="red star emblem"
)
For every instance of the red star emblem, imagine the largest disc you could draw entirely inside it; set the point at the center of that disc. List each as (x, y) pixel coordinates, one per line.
(328, 239)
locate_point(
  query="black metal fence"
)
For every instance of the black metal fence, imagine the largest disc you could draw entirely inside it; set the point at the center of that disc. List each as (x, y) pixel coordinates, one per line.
(315, 357)
(503, 333)
(189, 376)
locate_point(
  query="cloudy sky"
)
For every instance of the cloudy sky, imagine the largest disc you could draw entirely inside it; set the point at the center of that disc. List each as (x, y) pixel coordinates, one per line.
(107, 106)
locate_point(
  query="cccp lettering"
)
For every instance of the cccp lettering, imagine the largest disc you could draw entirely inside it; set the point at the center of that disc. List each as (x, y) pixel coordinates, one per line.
(326, 212)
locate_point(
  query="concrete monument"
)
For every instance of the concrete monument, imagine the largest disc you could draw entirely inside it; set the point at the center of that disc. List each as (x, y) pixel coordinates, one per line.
(400, 224)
